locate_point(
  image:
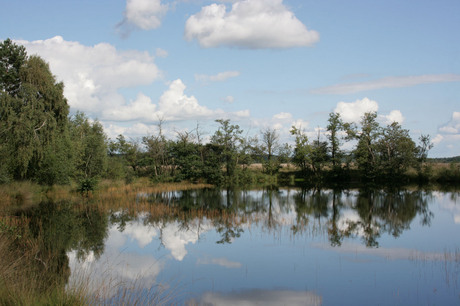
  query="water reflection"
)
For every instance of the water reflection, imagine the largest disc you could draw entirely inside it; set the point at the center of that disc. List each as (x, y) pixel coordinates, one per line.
(56, 228)
(262, 297)
(281, 241)
(356, 213)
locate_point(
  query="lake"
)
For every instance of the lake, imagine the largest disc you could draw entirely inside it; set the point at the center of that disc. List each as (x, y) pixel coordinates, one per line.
(281, 246)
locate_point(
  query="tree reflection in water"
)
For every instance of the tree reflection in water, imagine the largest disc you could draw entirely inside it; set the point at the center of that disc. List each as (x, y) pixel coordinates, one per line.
(368, 214)
(365, 213)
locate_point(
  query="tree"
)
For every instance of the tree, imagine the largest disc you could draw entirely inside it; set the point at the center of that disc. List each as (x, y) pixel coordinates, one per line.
(318, 155)
(90, 146)
(397, 150)
(12, 59)
(129, 151)
(366, 150)
(33, 113)
(186, 157)
(228, 137)
(270, 147)
(157, 151)
(301, 150)
(334, 127)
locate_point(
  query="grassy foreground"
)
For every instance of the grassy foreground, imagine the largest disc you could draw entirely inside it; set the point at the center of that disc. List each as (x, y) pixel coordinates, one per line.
(29, 274)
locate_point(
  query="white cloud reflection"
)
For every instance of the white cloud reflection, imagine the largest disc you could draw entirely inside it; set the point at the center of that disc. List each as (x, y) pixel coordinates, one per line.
(223, 262)
(262, 297)
(388, 253)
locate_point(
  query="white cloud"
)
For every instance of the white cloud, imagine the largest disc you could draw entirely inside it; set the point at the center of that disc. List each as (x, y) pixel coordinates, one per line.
(393, 116)
(448, 136)
(353, 111)
(252, 24)
(437, 139)
(161, 53)
(388, 82)
(453, 126)
(144, 14)
(92, 75)
(174, 104)
(283, 116)
(222, 76)
(229, 99)
(141, 108)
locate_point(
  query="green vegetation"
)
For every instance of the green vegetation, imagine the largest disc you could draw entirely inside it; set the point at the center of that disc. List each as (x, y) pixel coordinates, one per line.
(41, 142)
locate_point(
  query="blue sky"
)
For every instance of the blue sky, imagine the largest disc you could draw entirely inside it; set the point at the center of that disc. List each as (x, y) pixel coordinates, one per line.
(260, 63)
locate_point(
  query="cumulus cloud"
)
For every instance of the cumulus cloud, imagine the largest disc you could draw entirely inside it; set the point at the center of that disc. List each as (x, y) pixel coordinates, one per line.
(353, 111)
(449, 135)
(143, 14)
(388, 82)
(250, 24)
(453, 126)
(174, 104)
(92, 75)
(393, 116)
(229, 99)
(221, 76)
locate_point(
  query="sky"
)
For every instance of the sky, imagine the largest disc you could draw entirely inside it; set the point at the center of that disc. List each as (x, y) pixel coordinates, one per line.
(260, 63)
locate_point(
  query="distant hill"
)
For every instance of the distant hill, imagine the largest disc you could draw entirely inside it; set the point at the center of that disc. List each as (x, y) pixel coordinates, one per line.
(455, 159)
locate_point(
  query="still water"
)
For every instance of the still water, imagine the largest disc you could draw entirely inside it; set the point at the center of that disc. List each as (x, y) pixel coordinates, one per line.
(285, 247)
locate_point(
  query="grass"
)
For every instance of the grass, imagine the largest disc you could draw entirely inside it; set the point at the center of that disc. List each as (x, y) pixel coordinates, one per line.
(28, 272)
(24, 276)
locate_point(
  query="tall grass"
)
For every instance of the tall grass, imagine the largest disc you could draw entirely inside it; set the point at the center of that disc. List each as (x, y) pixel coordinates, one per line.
(25, 278)
(29, 274)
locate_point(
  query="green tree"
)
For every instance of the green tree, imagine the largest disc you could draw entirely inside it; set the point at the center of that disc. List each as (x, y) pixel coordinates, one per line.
(90, 146)
(318, 155)
(186, 157)
(271, 149)
(156, 157)
(397, 150)
(302, 149)
(12, 59)
(33, 112)
(228, 137)
(129, 151)
(334, 127)
(365, 153)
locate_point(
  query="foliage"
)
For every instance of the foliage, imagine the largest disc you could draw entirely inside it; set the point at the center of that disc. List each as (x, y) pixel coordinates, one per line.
(334, 127)
(301, 150)
(271, 150)
(33, 112)
(228, 138)
(90, 147)
(397, 150)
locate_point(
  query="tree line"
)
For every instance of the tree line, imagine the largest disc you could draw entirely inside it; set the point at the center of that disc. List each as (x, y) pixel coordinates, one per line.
(40, 141)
